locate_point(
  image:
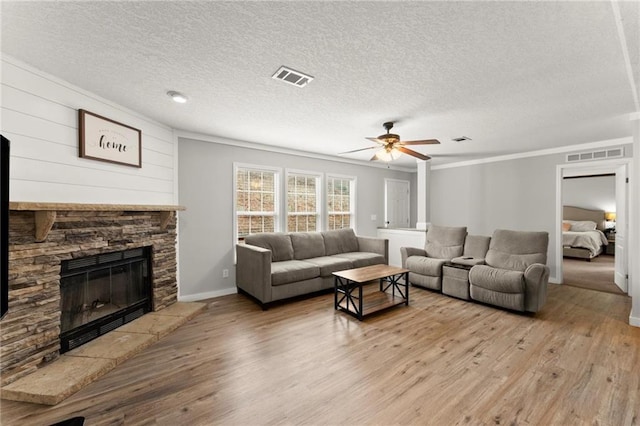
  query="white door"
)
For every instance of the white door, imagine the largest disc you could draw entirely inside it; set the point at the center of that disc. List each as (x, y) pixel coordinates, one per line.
(621, 229)
(396, 199)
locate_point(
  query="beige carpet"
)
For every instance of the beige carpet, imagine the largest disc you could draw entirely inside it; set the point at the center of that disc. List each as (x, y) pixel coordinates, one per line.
(594, 275)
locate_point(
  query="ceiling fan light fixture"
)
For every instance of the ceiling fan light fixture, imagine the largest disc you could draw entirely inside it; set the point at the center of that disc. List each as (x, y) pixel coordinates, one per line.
(390, 147)
(388, 154)
(389, 138)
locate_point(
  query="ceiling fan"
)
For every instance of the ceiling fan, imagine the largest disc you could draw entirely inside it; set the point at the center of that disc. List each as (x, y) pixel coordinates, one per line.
(390, 147)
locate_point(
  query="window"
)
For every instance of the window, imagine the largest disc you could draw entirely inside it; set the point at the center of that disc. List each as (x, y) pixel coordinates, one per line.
(309, 204)
(256, 192)
(303, 193)
(340, 202)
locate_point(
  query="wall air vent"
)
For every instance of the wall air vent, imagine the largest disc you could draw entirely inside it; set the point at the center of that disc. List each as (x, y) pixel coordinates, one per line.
(600, 154)
(290, 76)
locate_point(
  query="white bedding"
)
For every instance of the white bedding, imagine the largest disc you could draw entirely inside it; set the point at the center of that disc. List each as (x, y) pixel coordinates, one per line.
(591, 240)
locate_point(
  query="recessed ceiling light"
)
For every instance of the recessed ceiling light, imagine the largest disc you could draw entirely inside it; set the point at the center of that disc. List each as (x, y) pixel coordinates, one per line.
(177, 97)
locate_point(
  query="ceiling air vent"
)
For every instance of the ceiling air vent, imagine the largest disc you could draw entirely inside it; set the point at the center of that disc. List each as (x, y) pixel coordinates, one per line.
(461, 139)
(290, 76)
(596, 155)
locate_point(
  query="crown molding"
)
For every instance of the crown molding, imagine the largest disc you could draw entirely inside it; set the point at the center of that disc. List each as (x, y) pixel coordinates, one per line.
(539, 153)
(252, 145)
(624, 47)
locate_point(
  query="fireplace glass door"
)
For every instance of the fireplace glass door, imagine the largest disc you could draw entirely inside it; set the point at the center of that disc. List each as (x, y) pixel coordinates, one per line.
(100, 293)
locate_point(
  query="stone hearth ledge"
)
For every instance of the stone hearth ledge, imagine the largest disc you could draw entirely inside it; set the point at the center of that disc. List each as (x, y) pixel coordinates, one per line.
(76, 369)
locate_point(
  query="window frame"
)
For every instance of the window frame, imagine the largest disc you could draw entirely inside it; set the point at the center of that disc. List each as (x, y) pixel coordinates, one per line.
(277, 187)
(353, 185)
(320, 222)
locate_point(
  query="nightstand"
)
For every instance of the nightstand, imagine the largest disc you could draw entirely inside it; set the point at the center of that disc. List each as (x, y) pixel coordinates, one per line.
(611, 247)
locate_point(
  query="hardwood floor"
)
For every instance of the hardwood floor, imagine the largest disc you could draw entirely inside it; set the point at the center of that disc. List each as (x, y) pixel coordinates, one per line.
(438, 361)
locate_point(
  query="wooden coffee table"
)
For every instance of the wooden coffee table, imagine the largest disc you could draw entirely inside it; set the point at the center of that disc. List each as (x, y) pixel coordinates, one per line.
(391, 293)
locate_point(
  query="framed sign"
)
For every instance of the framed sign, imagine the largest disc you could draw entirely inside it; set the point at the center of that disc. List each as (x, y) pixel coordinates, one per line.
(106, 140)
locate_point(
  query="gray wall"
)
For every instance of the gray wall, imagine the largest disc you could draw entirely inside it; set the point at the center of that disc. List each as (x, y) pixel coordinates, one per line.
(514, 194)
(593, 192)
(205, 176)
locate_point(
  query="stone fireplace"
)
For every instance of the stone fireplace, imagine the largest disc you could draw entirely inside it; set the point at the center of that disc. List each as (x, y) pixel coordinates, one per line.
(48, 242)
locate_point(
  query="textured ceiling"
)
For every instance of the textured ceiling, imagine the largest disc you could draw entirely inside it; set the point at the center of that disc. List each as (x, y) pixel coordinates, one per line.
(513, 76)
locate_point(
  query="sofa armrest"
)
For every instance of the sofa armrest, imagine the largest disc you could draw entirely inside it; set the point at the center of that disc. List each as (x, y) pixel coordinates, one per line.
(375, 245)
(253, 271)
(536, 279)
(406, 252)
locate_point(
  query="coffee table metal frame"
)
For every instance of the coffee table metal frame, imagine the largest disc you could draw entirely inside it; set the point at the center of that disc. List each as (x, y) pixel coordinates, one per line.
(347, 281)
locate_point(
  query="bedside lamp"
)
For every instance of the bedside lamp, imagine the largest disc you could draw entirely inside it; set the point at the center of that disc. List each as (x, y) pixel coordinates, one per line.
(610, 221)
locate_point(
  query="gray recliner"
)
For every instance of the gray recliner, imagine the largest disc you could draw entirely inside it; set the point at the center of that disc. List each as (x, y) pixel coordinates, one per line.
(515, 275)
(443, 243)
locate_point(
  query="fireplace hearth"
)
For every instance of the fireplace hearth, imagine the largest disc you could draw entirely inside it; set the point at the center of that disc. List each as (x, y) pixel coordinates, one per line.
(102, 292)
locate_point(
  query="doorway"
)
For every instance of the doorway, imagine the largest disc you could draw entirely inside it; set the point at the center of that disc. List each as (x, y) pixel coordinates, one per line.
(396, 202)
(619, 168)
(588, 263)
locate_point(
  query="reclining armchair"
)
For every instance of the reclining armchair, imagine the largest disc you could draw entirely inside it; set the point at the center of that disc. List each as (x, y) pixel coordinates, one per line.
(515, 275)
(443, 243)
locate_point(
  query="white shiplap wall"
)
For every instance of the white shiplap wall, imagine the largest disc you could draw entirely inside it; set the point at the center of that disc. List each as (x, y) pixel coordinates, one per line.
(40, 117)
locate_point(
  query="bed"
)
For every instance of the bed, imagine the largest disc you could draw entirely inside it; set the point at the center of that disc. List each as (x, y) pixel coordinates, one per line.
(580, 237)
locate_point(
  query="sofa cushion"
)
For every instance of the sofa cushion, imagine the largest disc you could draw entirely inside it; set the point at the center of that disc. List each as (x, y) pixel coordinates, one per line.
(516, 250)
(425, 281)
(362, 258)
(330, 264)
(425, 265)
(289, 271)
(445, 242)
(340, 241)
(476, 246)
(279, 243)
(494, 279)
(307, 245)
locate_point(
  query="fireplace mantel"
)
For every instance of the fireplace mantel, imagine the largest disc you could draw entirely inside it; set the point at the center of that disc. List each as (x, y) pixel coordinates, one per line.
(45, 213)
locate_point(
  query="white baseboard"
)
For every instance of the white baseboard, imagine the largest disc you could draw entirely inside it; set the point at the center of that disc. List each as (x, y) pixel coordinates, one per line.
(554, 280)
(208, 295)
(634, 321)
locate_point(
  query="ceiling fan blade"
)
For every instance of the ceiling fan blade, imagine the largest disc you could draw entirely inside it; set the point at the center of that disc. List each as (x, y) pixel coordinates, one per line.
(357, 150)
(422, 142)
(374, 158)
(376, 140)
(412, 153)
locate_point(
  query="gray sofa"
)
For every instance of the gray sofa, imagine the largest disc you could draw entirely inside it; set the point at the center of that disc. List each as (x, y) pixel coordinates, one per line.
(277, 266)
(507, 270)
